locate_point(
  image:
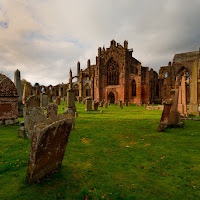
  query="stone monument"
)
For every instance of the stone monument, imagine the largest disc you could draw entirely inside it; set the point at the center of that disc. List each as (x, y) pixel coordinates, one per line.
(17, 82)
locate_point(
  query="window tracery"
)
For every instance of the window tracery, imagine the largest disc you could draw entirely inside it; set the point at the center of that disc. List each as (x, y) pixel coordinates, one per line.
(112, 73)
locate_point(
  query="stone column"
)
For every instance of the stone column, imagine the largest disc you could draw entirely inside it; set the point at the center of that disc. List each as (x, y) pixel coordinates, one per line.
(193, 95)
(180, 105)
(17, 82)
(59, 92)
(183, 93)
(81, 85)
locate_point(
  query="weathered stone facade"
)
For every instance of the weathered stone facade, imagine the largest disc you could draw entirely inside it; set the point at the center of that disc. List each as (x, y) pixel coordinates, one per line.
(116, 76)
(187, 65)
(8, 101)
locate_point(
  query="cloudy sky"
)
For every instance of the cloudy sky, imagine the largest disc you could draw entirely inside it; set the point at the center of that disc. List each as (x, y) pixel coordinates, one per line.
(45, 38)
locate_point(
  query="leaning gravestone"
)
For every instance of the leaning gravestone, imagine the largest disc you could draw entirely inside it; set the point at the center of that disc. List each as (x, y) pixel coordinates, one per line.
(48, 146)
(33, 101)
(52, 110)
(165, 116)
(170, 115)
(32, 116)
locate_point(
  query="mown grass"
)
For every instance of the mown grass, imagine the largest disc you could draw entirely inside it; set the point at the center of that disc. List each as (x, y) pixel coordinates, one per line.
(117, 154)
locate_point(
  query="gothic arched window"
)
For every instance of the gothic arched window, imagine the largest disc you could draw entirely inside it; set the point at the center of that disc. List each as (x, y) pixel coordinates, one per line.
(112, 73)
(133, 88)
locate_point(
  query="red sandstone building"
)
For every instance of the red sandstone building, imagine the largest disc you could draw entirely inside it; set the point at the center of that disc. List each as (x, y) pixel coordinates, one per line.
(117, 75)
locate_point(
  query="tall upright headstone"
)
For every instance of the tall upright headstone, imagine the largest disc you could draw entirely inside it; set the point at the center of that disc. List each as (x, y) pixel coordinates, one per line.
(44, 100)
(17, 82)
(88, 104)
(70, 104)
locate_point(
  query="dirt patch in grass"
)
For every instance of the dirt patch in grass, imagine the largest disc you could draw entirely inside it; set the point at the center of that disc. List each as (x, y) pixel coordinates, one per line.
(84, 140)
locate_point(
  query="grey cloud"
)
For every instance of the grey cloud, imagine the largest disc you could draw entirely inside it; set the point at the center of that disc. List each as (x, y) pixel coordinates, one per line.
(55, 35)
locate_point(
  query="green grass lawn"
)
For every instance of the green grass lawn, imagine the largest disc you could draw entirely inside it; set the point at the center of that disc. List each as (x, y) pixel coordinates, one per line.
(117, 154)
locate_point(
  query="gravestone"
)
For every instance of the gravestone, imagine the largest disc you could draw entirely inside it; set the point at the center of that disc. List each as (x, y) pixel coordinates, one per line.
(170, 115)
(25, 94)
(95, 106)
(50, 99)
(17, 82)
(32, 116)
(52, 110)
(164, 121)
(48, 146)
(126, 103)
(21, 132)
(88, 104)
(106, 105)
(58, 100)
(33, 101)
(101, 103)
(70, 104)
(120, 104)
(174, 116)
(44, 100)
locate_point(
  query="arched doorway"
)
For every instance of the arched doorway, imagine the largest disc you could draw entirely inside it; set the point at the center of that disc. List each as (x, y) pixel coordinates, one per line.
(111, 97)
